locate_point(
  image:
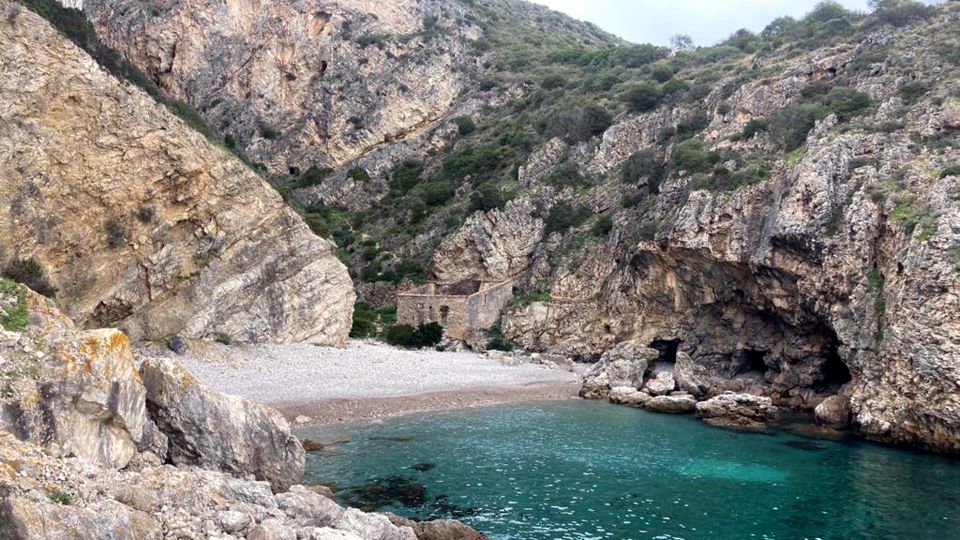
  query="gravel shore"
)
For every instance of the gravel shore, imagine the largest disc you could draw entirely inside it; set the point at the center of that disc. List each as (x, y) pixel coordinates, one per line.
(368, 380)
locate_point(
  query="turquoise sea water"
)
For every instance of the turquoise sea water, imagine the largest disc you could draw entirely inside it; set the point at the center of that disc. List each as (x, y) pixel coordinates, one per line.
(589, 470)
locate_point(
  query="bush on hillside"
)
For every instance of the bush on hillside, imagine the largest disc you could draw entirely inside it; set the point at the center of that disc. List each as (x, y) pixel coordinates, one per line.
(364, 321)
(437, 192)
(790, 126)
(488, 197)
(691, 125)
(406, 176)
(645, 164)
(564, 216)
(580, 124)
(900, 12)
(30, 273)
(691, 156)
(643, 97)
(465, 125)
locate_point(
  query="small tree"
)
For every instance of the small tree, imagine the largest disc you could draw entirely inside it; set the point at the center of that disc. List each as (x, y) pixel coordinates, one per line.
(681, 43)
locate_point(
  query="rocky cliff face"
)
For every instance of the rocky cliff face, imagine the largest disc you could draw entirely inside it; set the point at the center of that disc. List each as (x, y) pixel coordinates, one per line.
(776, 214)
(139, 220)
(301, 84)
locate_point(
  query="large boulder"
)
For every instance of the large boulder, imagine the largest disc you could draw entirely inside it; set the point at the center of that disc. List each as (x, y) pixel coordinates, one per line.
(23, 519)
(71, 392)
(833, 411)
(660, 383)
(623, 365)
(437, 529)
(738, 411)
(220, 431)
(628, 395)
(675, 404)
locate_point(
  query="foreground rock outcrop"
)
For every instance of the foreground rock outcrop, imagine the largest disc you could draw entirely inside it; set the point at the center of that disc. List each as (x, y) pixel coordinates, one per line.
(211, 429)
(139, 221)
(738, 411)
(92, 448)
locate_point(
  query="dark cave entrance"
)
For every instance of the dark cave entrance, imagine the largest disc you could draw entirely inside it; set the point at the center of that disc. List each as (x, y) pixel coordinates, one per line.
(667, 348)
(753, 360)
(835, 370)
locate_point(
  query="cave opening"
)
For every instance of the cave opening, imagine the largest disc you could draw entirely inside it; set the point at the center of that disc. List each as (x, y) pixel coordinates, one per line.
(667, 348)
(753, 360)
(835, 371)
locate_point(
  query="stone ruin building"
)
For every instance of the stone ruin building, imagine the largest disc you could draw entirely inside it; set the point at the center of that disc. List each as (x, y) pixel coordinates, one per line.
(460, 308)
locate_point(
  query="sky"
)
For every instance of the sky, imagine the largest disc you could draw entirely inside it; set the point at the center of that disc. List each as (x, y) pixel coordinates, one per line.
(706, 21)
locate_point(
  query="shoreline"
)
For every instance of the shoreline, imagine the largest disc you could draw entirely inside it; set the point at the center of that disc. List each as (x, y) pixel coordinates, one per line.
(342, 412)
(367, 380)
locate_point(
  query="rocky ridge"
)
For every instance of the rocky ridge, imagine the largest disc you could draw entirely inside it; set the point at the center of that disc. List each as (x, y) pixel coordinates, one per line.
(139, 221)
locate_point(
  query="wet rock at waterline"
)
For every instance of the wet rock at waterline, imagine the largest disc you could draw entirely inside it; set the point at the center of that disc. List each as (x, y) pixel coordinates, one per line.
(738, 411)
(676, 404)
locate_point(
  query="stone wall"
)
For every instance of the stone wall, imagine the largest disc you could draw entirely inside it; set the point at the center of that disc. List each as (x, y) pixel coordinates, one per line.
(485, 306)
(457, 313)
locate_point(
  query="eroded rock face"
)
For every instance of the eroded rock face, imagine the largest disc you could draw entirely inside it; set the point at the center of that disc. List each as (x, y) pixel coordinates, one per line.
(491, 246)
(301, 84)
(218, 431)
(142, 223)
(623, 366)
(71, 392)
(833, 411)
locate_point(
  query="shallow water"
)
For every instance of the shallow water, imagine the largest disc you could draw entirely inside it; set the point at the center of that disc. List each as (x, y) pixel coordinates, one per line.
(590, 470)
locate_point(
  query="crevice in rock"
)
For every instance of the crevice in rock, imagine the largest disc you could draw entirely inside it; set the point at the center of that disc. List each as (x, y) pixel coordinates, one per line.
(668, 349)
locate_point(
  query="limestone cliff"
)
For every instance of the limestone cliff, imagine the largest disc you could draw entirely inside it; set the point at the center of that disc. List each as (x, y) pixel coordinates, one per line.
(139, 220)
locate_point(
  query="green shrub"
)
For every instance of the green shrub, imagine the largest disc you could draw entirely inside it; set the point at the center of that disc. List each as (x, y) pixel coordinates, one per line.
(634, 56)
(900, 12)
(790, 126)
(424, 335)
(497, 341)
(953, 170)
(359, 174)
(488, 197)
(222, 338)
(554, 81)
(60, 497)
(30, 273)
(693, 157)
(643, 97)
(567, 175)
(846, 102)
(437, 192)
(313, 176)
(564, 216)
(691, 125)
(602, 227)
(465, 125)
(661, 73)
(364, 321)
(677, 86)
(480, 163)
(912, 92)
(14, 318)
(406, 176)
(581, 124)
(644, 164)
(754, 126)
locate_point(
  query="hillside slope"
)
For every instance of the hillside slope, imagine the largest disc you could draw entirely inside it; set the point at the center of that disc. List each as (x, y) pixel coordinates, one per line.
(139, 221)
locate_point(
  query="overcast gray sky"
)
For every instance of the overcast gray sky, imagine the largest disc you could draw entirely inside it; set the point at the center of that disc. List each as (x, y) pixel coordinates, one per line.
(707, 21)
